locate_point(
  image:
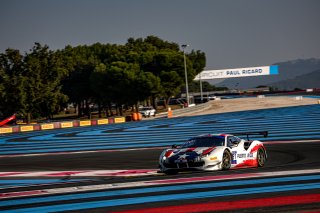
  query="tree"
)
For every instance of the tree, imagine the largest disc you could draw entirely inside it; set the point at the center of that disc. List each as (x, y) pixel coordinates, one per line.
(81, 61)
(171, 83)
(39, 82)
(12, 93)
(43, 72)
(162, 58)
(147, 87)
(30, 83)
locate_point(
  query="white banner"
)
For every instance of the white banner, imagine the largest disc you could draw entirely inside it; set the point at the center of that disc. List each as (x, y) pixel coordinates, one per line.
(238, 72)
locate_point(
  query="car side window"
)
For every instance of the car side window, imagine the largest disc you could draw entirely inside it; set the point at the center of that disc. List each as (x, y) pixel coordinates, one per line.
(232, 141)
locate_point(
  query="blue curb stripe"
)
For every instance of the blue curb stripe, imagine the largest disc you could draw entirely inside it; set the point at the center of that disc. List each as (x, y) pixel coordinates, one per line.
(169, 197)
(155, 189)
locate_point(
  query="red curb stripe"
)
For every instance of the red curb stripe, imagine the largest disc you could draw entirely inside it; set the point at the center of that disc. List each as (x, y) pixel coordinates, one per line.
(234, 205)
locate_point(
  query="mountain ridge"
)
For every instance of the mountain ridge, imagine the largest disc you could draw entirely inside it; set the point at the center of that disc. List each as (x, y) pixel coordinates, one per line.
(287, 70)
(309, 80)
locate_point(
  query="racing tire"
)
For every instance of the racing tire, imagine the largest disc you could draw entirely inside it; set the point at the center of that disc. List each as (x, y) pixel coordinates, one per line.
(226, 160)
(261, 157)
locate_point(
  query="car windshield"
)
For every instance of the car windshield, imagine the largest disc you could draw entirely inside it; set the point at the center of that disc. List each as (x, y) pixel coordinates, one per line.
(204, 142)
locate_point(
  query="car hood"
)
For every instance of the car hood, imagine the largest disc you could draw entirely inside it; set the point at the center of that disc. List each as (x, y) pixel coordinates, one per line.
(188, 153)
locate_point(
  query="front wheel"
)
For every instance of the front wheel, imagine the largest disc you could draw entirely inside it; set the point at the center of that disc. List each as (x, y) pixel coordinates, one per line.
(261, 157)
(226, 160)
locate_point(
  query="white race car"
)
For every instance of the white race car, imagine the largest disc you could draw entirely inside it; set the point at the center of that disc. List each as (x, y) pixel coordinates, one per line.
(147, 111)
(214, 152)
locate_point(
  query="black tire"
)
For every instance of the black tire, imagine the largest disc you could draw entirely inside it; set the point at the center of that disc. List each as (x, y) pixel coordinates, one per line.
(226, 160)
(261, 157)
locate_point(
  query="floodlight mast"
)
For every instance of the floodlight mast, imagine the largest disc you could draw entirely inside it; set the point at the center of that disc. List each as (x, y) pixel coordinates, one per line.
(184, 46)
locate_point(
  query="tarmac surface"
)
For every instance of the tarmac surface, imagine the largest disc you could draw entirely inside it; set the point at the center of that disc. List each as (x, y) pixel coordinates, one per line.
(113, 168)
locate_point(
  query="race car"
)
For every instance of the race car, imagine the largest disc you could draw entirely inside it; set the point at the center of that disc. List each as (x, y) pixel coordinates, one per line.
(212, 152)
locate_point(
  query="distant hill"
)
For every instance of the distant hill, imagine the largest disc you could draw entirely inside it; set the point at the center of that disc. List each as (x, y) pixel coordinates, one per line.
(309, 80)
(287, 70)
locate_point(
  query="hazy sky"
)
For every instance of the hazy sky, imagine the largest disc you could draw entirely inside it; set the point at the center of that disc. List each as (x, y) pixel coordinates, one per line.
(232, 33)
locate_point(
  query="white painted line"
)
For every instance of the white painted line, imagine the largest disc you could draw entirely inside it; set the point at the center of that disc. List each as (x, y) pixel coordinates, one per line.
(78, 152)
(84, 173)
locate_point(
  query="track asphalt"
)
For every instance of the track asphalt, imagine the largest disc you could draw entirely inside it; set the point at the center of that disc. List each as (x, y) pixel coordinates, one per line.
(289, 182)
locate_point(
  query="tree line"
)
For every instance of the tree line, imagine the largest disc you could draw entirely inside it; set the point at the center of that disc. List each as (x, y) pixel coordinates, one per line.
(41, 82)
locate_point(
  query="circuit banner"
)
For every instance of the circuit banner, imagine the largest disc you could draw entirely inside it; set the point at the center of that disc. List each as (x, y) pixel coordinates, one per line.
(237, 72)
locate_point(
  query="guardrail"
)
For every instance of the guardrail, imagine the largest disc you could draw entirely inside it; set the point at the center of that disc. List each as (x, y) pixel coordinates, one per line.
(60, 125)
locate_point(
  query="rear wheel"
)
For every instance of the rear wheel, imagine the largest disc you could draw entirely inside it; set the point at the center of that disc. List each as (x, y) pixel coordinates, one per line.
(226, 160)
(261, 157)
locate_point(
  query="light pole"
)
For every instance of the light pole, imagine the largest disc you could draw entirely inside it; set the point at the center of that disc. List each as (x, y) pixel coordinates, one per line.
(201, 88)
(185, 71)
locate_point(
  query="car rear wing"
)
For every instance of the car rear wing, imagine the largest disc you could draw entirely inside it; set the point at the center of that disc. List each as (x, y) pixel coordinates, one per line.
(264, 133)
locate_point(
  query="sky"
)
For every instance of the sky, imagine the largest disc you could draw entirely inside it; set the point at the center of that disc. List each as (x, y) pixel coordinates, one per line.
(232, 33)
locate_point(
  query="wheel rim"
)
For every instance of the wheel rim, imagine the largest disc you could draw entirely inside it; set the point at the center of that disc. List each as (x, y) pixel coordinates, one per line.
(226, 161)
(261, 157)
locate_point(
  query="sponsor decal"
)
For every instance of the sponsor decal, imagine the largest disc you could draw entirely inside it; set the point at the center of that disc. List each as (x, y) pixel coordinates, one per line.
(85, 123)
(6, 130)
(250, 155)
(119, 120)
(103, 121)
(234, 157)
(47, 126)
(66, 124)
(242, 155)
(26, 128)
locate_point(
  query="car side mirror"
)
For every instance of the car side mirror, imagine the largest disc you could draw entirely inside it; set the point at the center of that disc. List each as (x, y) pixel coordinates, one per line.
(174, 146)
